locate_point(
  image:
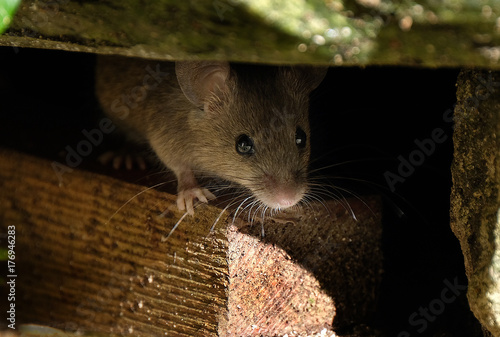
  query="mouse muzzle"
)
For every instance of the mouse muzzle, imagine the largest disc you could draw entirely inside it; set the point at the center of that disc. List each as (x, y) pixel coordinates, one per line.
(281, 193)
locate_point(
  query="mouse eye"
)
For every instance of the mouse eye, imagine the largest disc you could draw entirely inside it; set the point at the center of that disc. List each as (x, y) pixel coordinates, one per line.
(244, 145)
(300, 138)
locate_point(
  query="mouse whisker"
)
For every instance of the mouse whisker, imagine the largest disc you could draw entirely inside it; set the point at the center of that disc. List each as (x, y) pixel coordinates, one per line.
(218, 218)
(228, 192)
(261, 208)
(307, 202)
(239, 206)
(342, 163)
(387, 194)
(319, 190)
(132, 198)
(309, 198)
(252, 214)
(165, 238)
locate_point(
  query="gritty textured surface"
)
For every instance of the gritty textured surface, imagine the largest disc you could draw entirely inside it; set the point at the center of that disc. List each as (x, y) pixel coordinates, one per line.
(475, 197)
(428, 33)
(313, 268)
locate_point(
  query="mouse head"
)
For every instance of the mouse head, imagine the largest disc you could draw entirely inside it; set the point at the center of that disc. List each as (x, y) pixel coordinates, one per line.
(251, 125)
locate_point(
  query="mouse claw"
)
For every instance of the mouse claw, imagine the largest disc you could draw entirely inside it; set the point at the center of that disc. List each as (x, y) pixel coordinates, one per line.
(186, 197)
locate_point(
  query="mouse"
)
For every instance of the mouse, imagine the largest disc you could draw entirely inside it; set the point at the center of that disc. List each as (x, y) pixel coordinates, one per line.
(245, 123)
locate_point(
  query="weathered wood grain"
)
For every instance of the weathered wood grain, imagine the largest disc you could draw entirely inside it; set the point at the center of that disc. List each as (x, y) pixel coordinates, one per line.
(84, 266)
(92, 256)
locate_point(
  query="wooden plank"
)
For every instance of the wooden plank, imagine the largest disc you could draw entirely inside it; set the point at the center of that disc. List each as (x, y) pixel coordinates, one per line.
(312, 270)
(84, 267)
(91, 256)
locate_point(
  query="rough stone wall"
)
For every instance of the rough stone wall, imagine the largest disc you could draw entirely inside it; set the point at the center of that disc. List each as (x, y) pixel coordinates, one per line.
(475, 198)
(353, 32)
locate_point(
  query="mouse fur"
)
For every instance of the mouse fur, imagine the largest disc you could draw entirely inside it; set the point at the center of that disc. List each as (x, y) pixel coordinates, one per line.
(247, 124)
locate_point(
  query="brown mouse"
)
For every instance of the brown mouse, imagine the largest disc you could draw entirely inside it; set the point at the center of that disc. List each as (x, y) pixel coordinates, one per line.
(247, 124)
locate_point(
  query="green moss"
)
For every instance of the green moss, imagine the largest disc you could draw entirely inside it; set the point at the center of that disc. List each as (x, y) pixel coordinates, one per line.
(7, 10)
(363, 32)
(475, 194)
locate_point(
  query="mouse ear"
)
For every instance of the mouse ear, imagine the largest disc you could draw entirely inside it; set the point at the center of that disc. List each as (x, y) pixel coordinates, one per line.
(307, 77)
(201, 79)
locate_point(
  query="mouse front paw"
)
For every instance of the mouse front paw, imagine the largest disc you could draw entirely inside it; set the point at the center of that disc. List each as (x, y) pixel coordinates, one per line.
(185, 198)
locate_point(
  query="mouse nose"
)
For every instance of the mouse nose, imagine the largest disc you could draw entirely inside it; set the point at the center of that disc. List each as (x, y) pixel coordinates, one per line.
(282, 194)
(286, 198)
